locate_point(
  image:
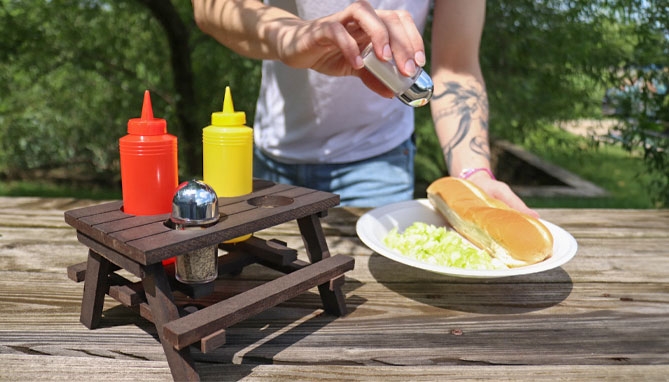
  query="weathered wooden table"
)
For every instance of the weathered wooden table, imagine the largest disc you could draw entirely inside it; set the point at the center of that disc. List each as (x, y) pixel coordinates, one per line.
(602, 316)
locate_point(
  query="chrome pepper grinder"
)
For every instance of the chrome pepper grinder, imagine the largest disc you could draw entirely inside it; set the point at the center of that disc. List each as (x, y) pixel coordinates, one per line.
(195, 206)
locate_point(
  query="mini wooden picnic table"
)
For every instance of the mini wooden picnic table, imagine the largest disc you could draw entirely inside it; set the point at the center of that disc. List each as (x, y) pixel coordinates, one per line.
(141, 244)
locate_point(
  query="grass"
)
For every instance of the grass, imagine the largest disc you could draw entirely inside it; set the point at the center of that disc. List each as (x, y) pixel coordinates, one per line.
(57, 190)
(622, 174)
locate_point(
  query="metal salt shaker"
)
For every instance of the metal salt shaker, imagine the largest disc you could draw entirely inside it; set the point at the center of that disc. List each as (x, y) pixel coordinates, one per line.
(195, 206)
(414, 91)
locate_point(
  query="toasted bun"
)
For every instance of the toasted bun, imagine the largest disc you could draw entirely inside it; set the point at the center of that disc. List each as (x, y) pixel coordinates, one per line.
(514, 238)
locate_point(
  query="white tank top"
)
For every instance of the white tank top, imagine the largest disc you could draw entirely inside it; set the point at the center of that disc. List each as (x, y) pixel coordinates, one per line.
(303, 116)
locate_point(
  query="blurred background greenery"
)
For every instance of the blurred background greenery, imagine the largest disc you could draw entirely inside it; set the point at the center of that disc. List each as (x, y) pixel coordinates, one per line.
(73, 72)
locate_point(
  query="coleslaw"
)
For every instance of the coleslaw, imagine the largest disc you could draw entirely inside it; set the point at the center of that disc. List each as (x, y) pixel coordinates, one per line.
(439, 246)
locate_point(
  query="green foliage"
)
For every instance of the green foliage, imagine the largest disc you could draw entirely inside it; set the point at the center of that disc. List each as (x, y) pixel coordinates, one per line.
(72, 72)
(543, 61)
(643, 128)
(72, 81)
(640, 98)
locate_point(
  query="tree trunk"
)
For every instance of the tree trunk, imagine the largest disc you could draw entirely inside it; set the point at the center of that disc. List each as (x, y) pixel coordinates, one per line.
(178, 39)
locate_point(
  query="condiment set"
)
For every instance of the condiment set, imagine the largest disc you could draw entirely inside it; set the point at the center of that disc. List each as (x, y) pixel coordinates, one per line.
(149, 178)
(149, 166)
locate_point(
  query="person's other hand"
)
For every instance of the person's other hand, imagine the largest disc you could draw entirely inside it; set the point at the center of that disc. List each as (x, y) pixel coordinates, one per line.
(500, 190)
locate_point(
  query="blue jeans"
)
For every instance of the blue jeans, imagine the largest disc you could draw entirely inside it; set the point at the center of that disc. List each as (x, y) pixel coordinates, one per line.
(373, 182)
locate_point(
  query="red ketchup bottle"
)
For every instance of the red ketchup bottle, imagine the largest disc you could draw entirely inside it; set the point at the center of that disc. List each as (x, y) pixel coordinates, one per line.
(149, 169)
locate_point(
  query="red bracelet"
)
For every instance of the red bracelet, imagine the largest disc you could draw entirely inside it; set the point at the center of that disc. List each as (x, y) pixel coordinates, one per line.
(466, 173)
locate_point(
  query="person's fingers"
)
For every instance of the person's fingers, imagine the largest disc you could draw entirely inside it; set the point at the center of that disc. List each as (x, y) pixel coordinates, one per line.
(504, 193)
(414, 36)
(393, 34)
(501, 191)
(351, 29)
(333, 32)
(367, 19)
(517, 204)
(405, 40)
(347, 30)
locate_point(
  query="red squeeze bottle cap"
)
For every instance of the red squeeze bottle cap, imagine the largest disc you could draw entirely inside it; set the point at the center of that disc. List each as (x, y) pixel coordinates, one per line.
(147, 124)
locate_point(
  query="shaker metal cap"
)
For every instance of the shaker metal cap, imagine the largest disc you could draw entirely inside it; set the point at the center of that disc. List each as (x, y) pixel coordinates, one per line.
(420, 91)
(194, 204)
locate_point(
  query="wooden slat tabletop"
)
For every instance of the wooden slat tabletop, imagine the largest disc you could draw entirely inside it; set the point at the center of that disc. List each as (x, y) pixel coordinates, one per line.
(602, 316)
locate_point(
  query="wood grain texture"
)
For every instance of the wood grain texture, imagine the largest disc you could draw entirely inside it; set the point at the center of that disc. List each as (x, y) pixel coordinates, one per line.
(602, 316)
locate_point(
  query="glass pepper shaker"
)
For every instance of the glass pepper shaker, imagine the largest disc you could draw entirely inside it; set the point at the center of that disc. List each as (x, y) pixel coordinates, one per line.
(414, 91)
(195, 206)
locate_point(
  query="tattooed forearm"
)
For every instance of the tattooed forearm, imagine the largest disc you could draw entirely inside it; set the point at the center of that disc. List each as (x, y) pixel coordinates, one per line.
(468, 104)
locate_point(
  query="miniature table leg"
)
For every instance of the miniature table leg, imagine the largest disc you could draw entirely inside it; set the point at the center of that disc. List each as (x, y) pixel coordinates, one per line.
(163, 309)
(95, 288)
(333, 298)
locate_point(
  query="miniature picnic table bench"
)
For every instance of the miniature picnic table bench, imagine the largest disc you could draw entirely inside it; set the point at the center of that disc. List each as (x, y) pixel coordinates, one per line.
(141, 244)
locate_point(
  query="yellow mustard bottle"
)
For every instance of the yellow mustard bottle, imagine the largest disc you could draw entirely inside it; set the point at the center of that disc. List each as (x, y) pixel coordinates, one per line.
(227, 153)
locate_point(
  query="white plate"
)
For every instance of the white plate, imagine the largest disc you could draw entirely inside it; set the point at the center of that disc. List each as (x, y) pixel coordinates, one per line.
(373, 226)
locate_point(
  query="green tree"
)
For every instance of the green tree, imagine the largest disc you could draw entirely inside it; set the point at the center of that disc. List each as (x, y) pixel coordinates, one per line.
(72, 72)
(71, 82)
(639, 96)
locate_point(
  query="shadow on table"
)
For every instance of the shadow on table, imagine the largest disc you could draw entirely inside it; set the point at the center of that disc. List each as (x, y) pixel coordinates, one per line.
(260, 339)
(254, 341)
(507, 295)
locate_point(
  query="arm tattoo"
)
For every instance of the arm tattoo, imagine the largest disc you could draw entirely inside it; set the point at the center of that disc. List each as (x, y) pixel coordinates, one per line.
(468, 103)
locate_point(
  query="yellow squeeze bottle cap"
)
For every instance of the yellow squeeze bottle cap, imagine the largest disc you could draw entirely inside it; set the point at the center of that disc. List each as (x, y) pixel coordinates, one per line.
(228, 117)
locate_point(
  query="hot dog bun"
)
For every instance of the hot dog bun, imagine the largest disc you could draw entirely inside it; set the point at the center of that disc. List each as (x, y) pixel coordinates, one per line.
(514, 238)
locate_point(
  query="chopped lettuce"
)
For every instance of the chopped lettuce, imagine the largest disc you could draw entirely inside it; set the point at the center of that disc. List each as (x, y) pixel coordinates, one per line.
(439, 246)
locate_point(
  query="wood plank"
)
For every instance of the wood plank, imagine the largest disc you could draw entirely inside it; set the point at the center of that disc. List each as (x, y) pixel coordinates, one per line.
(192, 328)
(23, 367)
(653, 222)
(317, 249)
(238, 204)
(492, 321)
(630, 259)
(149, 244)
(162, 246)
(466, 372)
(115, 257)
(77, 272)
(599, 259)
(22, 305)
(116, 233)
(610, 223)
(113, 370)
(105, 217)
(126, 295)
(212, 341)
(169, 244)
(74, 215)
(273, 251)
(95, 288)
(38, 203)
(133, 222)
(160, 300)
(318, 339)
